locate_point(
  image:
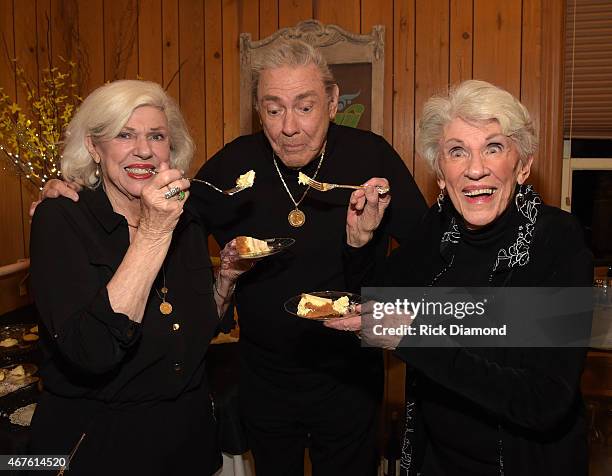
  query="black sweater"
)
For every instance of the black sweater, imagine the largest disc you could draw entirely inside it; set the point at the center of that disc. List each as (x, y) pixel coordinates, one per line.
(475, 405)
(272, 340)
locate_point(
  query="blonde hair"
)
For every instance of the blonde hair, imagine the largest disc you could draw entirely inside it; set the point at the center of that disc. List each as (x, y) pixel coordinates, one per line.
(474, 101)
(291, 53)
(102, 116)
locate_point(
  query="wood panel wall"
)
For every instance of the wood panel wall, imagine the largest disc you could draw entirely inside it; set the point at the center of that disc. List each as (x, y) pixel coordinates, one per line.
(192, 47)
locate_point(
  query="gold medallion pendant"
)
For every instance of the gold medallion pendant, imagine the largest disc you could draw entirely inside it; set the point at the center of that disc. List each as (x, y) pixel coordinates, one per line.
(296, 218)
(165, 308)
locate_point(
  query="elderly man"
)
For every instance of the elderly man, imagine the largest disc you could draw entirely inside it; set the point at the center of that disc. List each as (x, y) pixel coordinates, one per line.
(302, 384)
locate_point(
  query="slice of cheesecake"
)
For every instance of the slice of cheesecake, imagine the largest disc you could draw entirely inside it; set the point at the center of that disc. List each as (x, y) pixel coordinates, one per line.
(246, 180)
(311, 306)
(247, 245)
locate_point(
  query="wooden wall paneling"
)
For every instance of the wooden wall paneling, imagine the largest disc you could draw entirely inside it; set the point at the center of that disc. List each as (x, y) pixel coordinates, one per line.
(40, 59)
(497, 43)
(27, 52)
(403, 142)
(150, 42)
(239, 16)
(344, 13)
(192, 83)
(547, 169)
(380, 12)
(248, 22)
(291, 12)
(268, 17)
(64, 30)
(461, 40)
(231, 70)
(43, 37)
(120, 39)
(171, 79)
(13, 246)
(403, 80)
(91, 54)
(26, 46)
(213, 64)
(531, 65)
(432, 71)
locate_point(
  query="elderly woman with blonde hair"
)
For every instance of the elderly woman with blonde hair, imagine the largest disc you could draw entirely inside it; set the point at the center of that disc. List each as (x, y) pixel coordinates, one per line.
(480, 410)
(126, 295)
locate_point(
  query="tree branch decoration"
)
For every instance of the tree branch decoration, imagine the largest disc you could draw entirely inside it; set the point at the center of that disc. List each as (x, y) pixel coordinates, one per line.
(31, 140)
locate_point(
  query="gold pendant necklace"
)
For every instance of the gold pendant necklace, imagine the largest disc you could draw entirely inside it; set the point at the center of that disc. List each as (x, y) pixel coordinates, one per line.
(165, 307)
(297, 217)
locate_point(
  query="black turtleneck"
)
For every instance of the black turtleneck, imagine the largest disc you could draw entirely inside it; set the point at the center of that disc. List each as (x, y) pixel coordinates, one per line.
(478, 404)
(475, 255)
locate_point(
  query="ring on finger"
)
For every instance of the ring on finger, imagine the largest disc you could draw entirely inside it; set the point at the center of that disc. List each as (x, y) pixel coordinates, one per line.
(172, 192)
(181, 196)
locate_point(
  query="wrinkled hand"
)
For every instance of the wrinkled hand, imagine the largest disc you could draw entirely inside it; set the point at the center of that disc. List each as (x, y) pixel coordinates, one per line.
(232, 265)
(349, 324)
(57, 188)
(365, 212)
(374, 332)
(158, 214)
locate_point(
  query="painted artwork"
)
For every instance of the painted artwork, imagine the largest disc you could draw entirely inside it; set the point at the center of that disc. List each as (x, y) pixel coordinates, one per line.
(355, 102)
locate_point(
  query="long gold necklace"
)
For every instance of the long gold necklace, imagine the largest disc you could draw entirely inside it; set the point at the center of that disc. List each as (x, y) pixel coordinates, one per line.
(165, 307)
(297, 217)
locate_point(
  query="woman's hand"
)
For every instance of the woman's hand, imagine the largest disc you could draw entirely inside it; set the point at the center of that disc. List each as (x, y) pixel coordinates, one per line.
(232, 266)
(158, 214)
(385, 332)
(349, 324)
(365, 212)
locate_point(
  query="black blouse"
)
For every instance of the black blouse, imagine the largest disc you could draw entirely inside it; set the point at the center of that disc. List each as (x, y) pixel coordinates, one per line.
(93, 352)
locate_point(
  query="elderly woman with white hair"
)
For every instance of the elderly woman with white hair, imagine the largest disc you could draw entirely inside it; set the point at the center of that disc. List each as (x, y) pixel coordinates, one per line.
(126, 295)
(481, 411)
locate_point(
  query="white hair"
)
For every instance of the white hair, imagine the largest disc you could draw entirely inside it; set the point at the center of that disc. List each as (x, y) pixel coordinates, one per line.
(474, 102)
(105, 112)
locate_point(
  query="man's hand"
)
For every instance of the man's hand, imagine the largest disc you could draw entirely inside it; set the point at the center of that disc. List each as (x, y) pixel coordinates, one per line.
(365, 212)
(57, 188)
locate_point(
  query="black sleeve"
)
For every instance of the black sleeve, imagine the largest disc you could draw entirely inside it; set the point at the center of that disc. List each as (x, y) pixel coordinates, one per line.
(407, 203)
(207, 201)
(369, 265)
(538, 392)
(404, 266)
(72, 302)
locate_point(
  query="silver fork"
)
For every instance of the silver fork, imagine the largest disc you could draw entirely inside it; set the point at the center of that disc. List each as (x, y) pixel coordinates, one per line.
(229, 191)
(326, 187)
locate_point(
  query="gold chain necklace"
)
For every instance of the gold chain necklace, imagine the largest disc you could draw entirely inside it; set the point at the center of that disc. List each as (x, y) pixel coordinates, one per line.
(296, 216)
(165, 307)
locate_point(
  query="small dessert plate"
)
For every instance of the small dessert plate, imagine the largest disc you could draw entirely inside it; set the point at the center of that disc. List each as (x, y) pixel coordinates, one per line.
(354, 299)
(276, 245)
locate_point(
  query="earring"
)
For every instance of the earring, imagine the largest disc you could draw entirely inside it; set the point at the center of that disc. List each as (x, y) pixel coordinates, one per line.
(97, 173)
(519, 198)
(440, 200)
